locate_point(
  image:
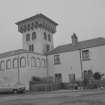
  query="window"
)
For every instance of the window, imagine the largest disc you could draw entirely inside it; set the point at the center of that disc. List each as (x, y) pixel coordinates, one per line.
(85, 55)
(38, 62)
(22, 62)
(28, 37)
(2, 65)
(43, 62)
(8, 64)
(45, 36)
(29, 27)
(33, 35)
(85, 74)
(21, 29)
(31, 47)
(47, 47)
(49, 37)
(57, 59)
(24, 28)
(72, 77)
(32, 26)
(15, 63)
(36, 24)
(58, 78)
(33, 62)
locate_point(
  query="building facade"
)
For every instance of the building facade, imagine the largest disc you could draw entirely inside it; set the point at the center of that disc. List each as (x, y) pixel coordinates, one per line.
(39, 57)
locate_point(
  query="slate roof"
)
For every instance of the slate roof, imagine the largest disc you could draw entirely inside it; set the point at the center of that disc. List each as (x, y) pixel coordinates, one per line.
(80, 45)
(37, 16)
(16, 52)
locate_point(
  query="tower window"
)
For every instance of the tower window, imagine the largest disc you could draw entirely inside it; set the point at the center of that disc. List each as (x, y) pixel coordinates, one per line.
(31, 47)
(45, 36)
(29, 27)
(47, 48)
(49, 37)
(27, 37)
(33, 35)
(32, 26)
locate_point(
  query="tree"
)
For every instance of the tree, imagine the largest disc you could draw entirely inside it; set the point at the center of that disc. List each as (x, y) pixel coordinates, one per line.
(97, 76)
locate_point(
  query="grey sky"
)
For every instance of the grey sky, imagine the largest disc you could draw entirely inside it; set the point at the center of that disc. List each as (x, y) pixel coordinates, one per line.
(84, 17)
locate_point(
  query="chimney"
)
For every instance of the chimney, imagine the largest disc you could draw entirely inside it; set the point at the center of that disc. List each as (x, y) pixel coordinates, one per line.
(74, 39)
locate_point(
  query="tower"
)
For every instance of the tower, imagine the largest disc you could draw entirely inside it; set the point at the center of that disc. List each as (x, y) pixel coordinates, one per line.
(37, 33)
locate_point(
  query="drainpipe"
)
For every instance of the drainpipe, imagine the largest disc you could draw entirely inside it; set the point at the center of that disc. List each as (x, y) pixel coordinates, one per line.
(18, 71)
(47, 72)
(47, 66)
(81, 65)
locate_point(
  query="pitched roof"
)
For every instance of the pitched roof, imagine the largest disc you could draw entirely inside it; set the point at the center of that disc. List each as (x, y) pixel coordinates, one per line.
(80, 45)
(16, 52)
(37, 16)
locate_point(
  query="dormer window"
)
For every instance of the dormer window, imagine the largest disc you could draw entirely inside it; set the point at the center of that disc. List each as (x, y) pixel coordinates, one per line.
(28, 37)
(33, 35)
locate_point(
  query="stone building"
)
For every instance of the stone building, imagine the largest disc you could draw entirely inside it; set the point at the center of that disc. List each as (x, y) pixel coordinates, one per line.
(39, 57)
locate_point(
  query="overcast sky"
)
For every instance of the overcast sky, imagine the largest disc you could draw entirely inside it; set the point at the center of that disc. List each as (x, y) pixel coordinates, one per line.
(84, 17)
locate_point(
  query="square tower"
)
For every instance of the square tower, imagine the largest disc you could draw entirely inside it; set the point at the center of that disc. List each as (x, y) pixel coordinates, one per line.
(37, 33)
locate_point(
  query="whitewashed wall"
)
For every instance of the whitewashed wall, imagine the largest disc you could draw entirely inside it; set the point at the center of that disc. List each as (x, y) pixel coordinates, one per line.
(97, 60)
(10, 76)
(70, 63)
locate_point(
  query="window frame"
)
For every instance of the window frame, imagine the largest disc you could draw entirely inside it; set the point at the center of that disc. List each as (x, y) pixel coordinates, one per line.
(57, 59)
(33, 59)
(85, 54)
(28, 37)
(33, 35)
(21, 65)
(49, 37)
(8, 61)
(2, 69)
(45, 35)
(15, 59)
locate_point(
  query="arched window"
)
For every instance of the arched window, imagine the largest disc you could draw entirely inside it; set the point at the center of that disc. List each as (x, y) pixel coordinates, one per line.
(8, 64)
(15, 63)
(43, 62)
(22, 62)
(28, 37)
(33, 62)
(2, 65)
(38, 62)
(33, 35)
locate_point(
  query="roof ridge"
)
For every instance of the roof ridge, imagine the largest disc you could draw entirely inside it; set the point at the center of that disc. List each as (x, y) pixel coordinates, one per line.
(99, 41)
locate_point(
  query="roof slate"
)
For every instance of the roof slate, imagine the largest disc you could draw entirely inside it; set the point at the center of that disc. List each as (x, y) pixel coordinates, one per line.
(37, 16)
(80, 45)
